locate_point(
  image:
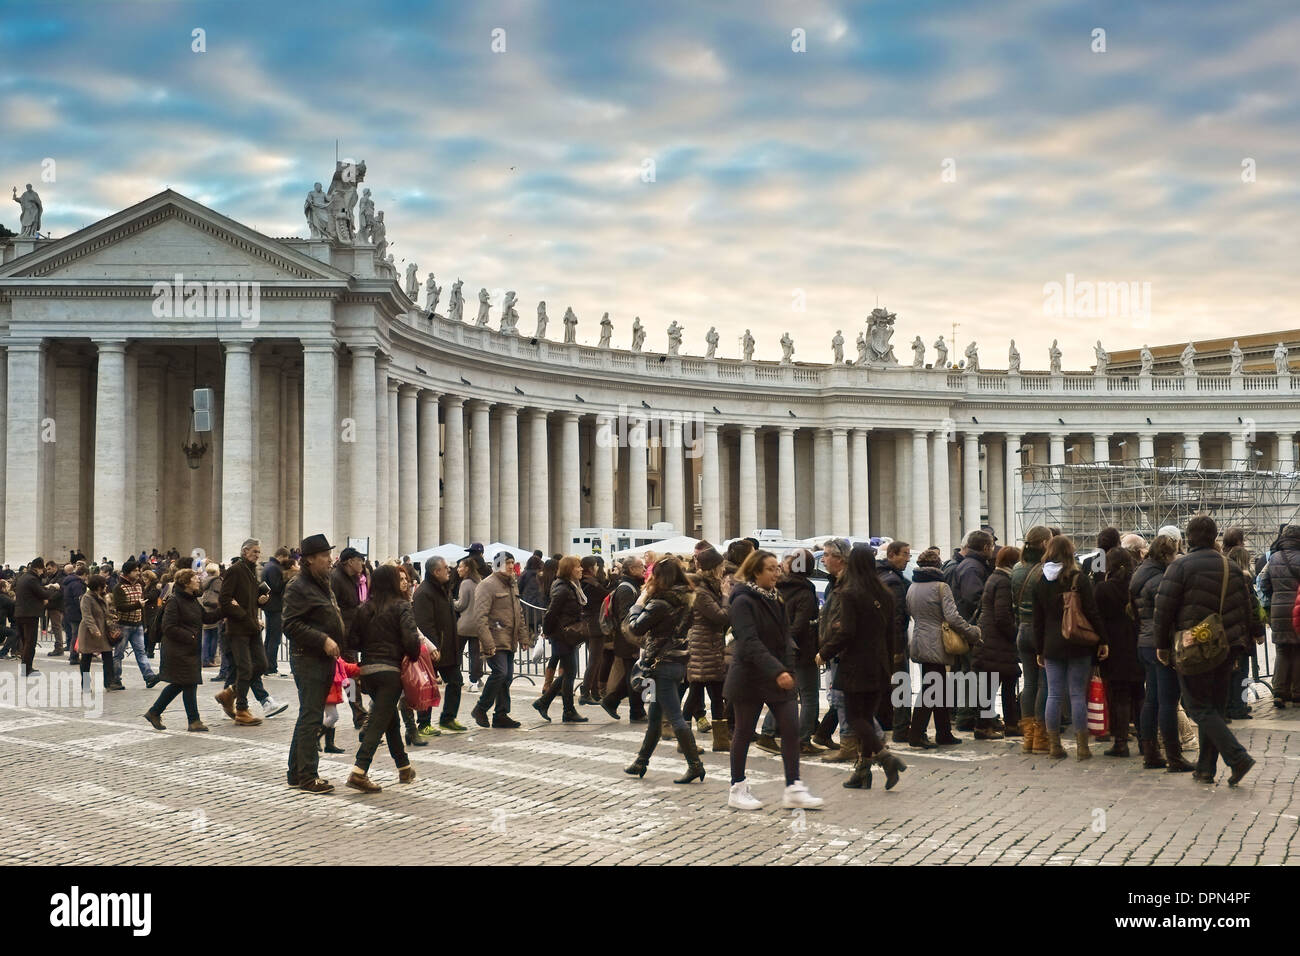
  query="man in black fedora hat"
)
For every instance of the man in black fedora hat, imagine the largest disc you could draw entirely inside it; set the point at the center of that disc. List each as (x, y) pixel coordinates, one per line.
(314, 626)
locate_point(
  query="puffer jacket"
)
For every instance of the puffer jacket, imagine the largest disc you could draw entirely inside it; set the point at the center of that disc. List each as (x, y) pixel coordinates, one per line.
(625, 595)
(74, 586)
(762, 649)
(1049, 608)
(1278, 582)
(563, 622)
(1023, 576)
(799, 596)
(1190, 592)
(1142, 586)
(1120, 617)
(706, 637)
(995, 652)
(861, 638)
(930, 602)
(497, 618)
(662, 622)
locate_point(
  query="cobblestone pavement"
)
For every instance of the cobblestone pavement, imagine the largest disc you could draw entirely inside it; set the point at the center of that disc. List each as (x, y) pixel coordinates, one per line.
(109, 789)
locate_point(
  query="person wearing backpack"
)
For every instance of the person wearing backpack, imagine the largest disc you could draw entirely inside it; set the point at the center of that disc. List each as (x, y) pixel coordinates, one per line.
(613, 616)
(1033, 696)
(1279, 582)
(1066, 653)
(707, 638)
(1196, 588)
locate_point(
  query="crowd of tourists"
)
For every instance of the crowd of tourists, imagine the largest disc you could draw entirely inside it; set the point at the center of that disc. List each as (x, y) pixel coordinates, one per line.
(702, 645)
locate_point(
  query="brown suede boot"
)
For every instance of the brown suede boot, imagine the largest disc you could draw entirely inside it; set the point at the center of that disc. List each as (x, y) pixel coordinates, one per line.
(548, 681)
(227, 701)
(721, 737)
(1029, 728)
(1081, 743)
(849, 752)
(406, 774)
(1055, 751)
(1042, 743)
(245, 719)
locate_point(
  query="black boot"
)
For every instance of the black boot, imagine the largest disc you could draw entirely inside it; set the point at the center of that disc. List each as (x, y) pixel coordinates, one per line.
(892, 765)
(1151, 757)
(1174, 755)
(648, 744)
(329, 742)
(413, 737)
(860, 778)
(694, 765)
(1119, 715)
(359, 715)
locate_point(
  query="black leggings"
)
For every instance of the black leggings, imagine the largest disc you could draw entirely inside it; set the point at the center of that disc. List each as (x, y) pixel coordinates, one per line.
(859, 709)
(385, 690)
(107, 658)
(787, 722)
(693, 706)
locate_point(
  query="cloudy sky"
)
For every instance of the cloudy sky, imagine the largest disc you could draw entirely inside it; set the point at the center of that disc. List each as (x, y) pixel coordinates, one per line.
(943, 159)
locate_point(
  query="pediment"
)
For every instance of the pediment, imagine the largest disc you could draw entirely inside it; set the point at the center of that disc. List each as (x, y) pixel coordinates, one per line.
(167, 235)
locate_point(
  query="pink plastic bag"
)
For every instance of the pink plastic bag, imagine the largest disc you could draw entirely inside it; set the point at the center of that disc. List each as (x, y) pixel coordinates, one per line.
(420, 681)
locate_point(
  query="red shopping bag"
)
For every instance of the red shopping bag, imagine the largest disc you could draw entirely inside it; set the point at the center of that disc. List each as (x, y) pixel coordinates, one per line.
(1097, 706)
(420, 681)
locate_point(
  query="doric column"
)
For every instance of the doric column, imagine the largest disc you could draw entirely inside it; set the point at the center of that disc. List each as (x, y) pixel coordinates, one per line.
(604, 450)
(1192, 447)
(1147, 447)
(26, 367)
(711, 493)
(149, 477)
(571, 480)
(859, 498)
(785, 479)
(1013, 531)
(822, 483)
(508, 474)
(539, 487)
(382, 540)
(1101, 448)
(674, 490)
(394, 489)
(920, 488)
(995, 468)
(638, 508)
(236, 449)
(1056, 449)
(904, 491)
(1239, 453)
(941, 519)
(408, 463)
(453, 471)
(747, 493)
(430, 469)
(480, 472)
(291, 467)
(970, 483)
(839, 467)
(1285, 458)
(319, 433)
(364, 513)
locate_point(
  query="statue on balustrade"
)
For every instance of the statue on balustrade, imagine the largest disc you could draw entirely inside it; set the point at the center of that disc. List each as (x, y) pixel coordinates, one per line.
(837, 347)
(972, 358)
(1054, 358)
(787, 349)
(390, 267)
(570, 326)
(484, 303)
(1188, 359)
(880, 329)
(941, 353)
(456, 306)
(747, 346)
(316, 208)
(379, 232)
(638, 334)
(1148, 361)
(432, 293)
(711, 342)
(367, 214)
(1237, 357)
(543, 320)
(918, 353)
(1280, 359)
(1103, 359)
(606, 330)
(674, 338)
(509, 316)
(343, 195)
(861, 343)
(1013, 358)
(412, 282)
(30, 210)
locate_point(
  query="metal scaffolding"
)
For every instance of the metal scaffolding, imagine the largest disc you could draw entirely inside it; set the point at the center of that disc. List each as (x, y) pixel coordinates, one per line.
(1144, 496)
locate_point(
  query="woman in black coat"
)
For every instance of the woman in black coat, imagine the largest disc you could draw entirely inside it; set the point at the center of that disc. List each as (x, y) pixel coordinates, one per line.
(861, 635)
(1121, 669)
(564, 628)
(994, 656)
(762, 672)
(183, 618)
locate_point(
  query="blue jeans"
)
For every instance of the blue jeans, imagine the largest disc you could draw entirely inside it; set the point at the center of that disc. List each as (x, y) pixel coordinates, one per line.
(1068, 676)
(834, 701)
(210, 635)
(668, 695)
(134, 635)
(1160, 709)
(274, 631)
(501, 668)
(70, 631)
(1033, 699)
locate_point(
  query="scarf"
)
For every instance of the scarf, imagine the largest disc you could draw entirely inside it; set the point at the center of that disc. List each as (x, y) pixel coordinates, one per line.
(1052, 570)
(582, 595)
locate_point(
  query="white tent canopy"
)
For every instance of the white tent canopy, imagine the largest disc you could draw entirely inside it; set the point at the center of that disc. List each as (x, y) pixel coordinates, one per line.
(454, 552)
(492, 550)
(678, 545)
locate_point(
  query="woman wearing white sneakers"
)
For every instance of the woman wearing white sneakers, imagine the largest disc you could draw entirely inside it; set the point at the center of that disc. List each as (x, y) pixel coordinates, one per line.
(762, 672)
